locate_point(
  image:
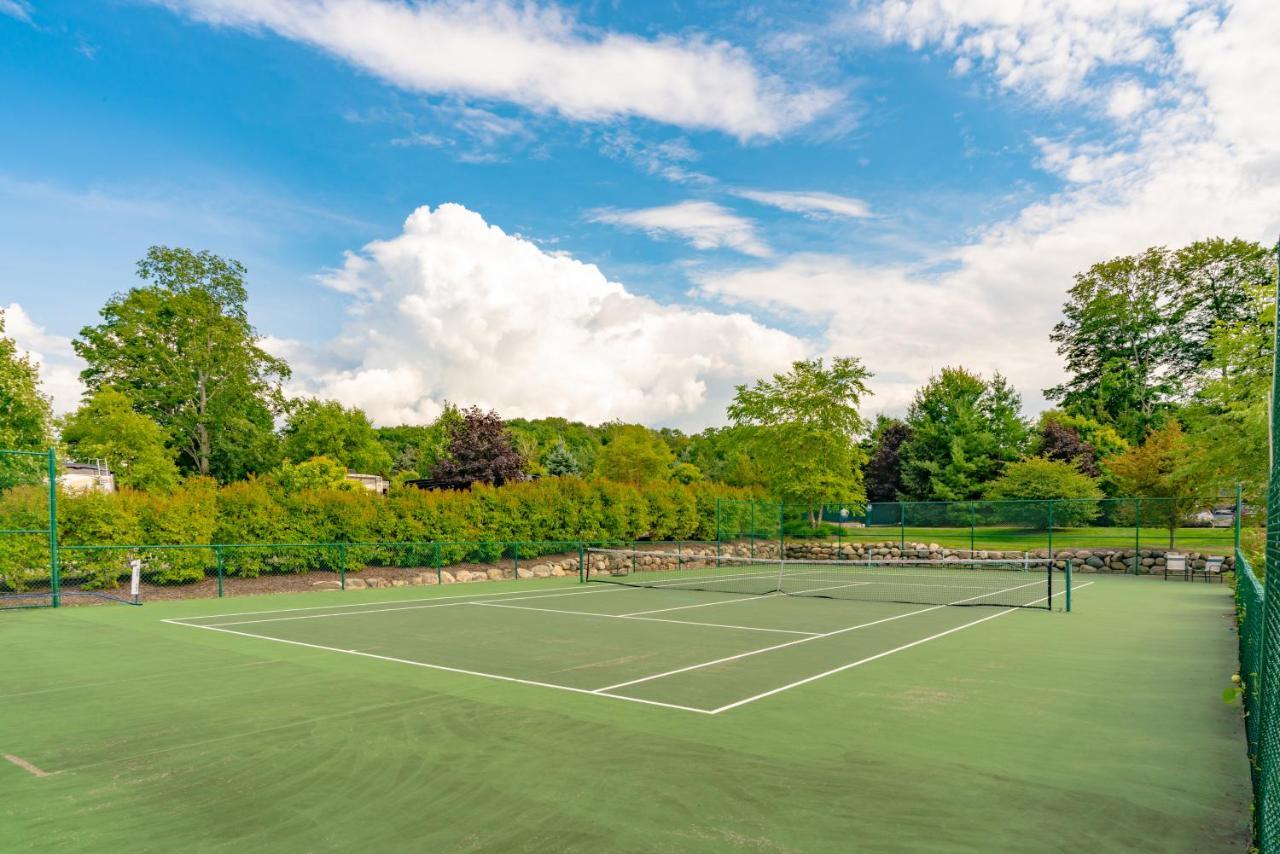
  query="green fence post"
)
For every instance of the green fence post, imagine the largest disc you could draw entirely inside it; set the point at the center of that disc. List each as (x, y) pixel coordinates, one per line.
(439, 572)
(718, 522)
(55, 568)
(217, 550)
(342, 566)
(973, 525)
(515, 557)
(782, 533)
(1238, 513)
(582, 568)
(902, 526)
(1051, 530)
(752, 538)
(1137, 534)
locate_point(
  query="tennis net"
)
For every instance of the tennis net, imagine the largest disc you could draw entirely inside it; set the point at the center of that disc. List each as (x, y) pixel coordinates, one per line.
(1026, 583)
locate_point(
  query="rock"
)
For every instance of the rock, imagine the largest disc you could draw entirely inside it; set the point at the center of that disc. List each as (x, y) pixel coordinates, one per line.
(356, 584)
(526, 572)
(1094, 561)
(446, 577)
(399, 582)
(327, 585)
(495, 575)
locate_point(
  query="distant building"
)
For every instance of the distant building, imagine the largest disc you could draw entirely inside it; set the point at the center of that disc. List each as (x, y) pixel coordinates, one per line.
(87, 477)
(372, 482)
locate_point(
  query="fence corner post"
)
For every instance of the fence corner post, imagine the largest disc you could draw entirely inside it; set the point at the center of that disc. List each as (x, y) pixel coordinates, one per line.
(582, 573)
(217, 553)
(1067, 592)
(55, 565)
(1137, 534)
(342, 565)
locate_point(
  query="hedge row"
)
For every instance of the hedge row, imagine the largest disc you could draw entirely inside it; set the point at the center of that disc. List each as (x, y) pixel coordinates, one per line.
(544, 516)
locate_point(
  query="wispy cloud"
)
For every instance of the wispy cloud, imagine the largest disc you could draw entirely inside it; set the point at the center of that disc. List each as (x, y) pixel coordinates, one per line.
(20, 9)
(705, 225)
(666, 158)
(538, 58)
(814, 204)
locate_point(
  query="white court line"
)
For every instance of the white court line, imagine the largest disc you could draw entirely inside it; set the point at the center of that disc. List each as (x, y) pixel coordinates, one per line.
(481, 674)
(733, 601)
(802, 640)
(879, 655)
(366, 604)
(374, 610)
(634, 617)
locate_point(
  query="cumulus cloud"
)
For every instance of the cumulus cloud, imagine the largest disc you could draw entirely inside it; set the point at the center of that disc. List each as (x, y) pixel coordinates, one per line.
(59, 365)
(812, 203)
(539, 58)
(1197, 161)
(456, 309)
(705, 225)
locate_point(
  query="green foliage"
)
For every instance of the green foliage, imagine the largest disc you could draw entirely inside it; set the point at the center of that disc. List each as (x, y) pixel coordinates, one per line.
(560, 461)
(412, 447)
(1037, 479)
(635, 455)
(1158, 469)
(25, 418)
(181, 347)
(1137, 330)
(325, 428)
(964, 430)
(134, 446)
(883, 471)
(538, 438)
(806, 427)
(723, 455)
(315, 473)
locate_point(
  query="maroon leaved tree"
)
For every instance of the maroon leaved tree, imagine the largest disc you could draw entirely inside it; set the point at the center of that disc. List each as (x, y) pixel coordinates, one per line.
(1063, 443)
(479, 450)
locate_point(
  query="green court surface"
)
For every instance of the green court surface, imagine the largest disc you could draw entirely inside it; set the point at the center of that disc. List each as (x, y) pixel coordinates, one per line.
(553, 716)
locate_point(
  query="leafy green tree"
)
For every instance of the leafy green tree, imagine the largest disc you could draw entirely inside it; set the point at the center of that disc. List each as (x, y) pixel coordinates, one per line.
(560, 461)
(315, 473)
(964, 430)
(183, 350)
(325, 428)
(135, 447)
(1158, 469)
(25, 417)
(806, 428)
(635, 454)
(723, 455)
(1136, 330)
(1038, 480)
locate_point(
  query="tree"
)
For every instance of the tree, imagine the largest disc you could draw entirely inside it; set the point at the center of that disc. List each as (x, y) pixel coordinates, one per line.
(723, 454)
(479, 450)
(25, 417)
(325, 428)
(315, 473)
(135, 447)
(1036, 481)
(635, 454)
(883, 471)
(1057, 441)
(560, 461)
(1157, 469)
(806, 430)
(181, 347)
(1136, 332)
(964, 430)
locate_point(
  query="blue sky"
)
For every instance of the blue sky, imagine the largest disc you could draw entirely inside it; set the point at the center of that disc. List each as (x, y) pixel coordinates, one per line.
(643, 203)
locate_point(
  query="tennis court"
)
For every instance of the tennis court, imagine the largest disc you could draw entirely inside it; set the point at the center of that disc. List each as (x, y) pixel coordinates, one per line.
(700, 710)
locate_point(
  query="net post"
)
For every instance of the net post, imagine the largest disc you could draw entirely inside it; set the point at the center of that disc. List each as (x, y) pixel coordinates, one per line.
(1067, 591)
(55, 568)
(342, 566)
(782, 532)
(582, 569)
(217, 554)
(718, 535)
(1137, 534)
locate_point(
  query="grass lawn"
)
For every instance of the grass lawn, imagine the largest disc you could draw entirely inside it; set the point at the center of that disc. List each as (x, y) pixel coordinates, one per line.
(1207, 540)
(551, 716)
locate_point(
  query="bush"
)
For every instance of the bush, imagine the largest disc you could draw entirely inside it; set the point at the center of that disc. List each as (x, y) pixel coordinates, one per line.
(1037, 480)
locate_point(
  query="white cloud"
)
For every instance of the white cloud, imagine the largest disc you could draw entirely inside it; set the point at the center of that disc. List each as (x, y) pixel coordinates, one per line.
(1047, 47)
(539, 58)
(1127, 98)
(1197, 159)
(59, 365)
(19, 9)
(705, 225)
(456, 309)
(666, 158)
(813, 203)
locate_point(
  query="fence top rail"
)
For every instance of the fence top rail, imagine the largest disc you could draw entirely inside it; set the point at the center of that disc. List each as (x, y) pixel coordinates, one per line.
(24, 453)
(363, 544)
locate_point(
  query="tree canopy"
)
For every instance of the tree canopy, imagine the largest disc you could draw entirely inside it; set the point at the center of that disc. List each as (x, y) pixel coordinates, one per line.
(806, 427)
(25, 417)
(325, 428)
(636, 455)
(479, 450)
(135, 447)
(181, 347)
